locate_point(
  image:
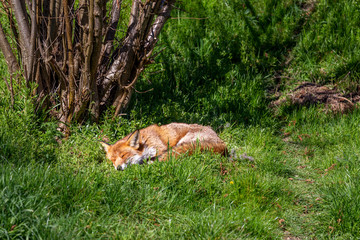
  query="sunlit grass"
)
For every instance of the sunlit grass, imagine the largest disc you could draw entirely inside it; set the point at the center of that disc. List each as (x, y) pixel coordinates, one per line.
(297, 169)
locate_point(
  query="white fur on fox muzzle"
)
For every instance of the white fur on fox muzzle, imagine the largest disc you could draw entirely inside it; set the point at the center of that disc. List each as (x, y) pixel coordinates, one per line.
(121, 167)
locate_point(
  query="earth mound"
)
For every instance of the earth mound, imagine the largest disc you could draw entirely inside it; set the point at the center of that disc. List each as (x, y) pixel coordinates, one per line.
(308, 93)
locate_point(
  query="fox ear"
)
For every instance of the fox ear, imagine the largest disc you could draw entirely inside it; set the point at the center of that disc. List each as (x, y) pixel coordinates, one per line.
(134, 139)
(106, 146)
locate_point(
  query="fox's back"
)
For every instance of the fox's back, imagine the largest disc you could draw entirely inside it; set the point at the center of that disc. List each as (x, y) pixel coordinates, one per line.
(176, 134)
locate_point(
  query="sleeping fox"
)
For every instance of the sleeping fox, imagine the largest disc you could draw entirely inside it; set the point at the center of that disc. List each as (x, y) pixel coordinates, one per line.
(161, 142)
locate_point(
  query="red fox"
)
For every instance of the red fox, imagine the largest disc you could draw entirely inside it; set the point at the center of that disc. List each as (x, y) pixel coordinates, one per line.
(162, 142)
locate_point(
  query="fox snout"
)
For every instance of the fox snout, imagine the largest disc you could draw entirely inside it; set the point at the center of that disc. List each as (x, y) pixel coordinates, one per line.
(120, 164)
(120, 167)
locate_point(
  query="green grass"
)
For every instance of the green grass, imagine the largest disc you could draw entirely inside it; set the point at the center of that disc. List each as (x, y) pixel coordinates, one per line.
(330, 156)
(217, 69)
(79, 195)
(201, 195)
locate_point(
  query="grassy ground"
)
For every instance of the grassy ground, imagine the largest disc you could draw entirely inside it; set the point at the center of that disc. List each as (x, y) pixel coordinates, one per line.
(303, 181)
(304, 184)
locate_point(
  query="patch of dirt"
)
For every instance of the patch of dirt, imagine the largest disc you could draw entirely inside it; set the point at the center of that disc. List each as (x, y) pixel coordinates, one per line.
(308, 93)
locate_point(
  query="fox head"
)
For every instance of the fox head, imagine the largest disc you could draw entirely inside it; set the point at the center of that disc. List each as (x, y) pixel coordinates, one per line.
(128, 151)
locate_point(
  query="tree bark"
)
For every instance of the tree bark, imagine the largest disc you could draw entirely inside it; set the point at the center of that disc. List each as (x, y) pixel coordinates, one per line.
(69, 48)
(8, 53)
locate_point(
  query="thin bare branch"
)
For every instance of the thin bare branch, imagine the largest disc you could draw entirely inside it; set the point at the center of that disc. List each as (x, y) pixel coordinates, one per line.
(33, 34)
(22, 21)
(71, 94)
(152, 38)
(110, 32)
(8, 53)
(10, 16)
(95, 56)
(120, 66)
(51, 24)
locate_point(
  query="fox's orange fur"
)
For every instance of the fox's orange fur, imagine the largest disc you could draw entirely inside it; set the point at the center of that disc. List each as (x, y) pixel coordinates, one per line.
(161, 142)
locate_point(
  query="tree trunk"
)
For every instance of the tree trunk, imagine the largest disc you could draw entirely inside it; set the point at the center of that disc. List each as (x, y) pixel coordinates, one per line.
(69, 49)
